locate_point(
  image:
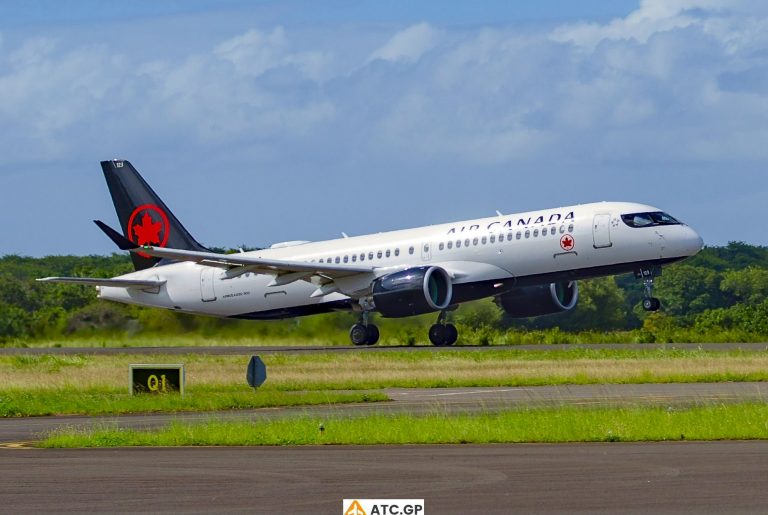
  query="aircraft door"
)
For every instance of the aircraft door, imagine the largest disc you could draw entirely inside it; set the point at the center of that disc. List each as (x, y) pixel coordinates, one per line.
(207, 291)
(426, 251)
(601, 231)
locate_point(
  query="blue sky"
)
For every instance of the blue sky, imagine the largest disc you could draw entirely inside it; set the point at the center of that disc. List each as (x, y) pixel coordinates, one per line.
(267, 121)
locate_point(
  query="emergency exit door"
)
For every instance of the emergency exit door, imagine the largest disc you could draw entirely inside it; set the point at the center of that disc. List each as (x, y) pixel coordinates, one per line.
(601, 231)
(207, 291)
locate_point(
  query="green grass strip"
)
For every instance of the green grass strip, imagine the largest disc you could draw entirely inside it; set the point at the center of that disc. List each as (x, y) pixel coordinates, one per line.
(94, 401)
(723, 422)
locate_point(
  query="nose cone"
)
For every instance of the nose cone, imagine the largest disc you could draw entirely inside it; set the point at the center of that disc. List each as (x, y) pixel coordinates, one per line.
(690, 241)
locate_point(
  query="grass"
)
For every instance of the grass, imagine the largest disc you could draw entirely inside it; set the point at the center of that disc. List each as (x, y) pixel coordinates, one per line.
(49, 384)
(372, 371)
(102, 401)
(394, 333)
(724, 422)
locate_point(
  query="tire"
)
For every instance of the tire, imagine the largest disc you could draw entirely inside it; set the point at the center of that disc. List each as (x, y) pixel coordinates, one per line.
(437, 335)
(651, 304)
(451, 334)
(372, 335)
(358, 334)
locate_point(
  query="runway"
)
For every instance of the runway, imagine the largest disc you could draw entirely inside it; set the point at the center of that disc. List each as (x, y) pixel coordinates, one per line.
(686, 477)
(245, 350)
(426, 400)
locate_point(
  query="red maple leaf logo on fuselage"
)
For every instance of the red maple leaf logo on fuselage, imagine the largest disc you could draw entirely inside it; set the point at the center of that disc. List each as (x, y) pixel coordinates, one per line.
(148, 232)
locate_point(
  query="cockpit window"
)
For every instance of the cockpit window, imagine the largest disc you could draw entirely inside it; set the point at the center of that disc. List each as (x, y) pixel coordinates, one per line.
(648, 219)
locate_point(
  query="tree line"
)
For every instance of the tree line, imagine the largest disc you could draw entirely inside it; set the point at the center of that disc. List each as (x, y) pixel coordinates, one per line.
(722, 290)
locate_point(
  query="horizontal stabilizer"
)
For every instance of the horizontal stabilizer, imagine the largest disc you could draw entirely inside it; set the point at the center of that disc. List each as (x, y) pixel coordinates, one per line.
(121, 241)
(97, 281)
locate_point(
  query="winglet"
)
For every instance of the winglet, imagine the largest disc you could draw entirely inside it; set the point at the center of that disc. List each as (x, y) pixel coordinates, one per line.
(121, 241)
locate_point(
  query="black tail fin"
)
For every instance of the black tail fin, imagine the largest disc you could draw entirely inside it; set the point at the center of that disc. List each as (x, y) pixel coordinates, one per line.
(144, 218)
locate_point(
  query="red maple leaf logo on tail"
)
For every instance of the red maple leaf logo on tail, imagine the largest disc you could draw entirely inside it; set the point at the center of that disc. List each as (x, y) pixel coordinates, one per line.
(149, 230)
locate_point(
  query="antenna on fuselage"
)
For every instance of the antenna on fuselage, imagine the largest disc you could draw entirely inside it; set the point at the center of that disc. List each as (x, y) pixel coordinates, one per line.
(499, 213)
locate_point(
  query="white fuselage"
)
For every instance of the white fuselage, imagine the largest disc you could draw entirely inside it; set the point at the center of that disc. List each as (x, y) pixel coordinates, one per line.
(488, 256)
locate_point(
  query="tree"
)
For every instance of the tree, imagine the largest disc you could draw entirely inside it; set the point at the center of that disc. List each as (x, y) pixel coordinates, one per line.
(749, 285)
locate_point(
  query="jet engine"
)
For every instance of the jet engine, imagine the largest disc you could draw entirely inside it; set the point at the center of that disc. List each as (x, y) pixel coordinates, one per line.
(545, 299)
(412, 292)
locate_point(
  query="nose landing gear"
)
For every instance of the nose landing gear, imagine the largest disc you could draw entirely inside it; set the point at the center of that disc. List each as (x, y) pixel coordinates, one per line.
(647, 275)
(363, 333)
(442, 334)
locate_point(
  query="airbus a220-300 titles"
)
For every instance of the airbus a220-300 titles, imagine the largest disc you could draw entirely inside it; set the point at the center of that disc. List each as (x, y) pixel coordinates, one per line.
(529, 262)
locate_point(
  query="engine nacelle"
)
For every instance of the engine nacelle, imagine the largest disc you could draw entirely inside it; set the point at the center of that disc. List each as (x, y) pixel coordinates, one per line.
(546, 299)
(412, 292)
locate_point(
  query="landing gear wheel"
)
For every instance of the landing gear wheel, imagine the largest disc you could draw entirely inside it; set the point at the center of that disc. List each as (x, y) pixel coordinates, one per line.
(451, 334)
(437, 335)
(651, 304)
(372, 335)
(359, 334)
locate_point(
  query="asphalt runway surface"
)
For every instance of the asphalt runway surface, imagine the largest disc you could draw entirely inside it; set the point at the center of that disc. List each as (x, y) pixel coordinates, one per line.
(684, 477)
(423, 401)
(250, 350)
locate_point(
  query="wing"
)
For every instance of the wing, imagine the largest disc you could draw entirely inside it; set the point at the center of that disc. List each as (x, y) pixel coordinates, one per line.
(96, 281)
(256, 264)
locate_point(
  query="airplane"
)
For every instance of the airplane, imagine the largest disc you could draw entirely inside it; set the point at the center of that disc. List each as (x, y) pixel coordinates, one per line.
(528, 262)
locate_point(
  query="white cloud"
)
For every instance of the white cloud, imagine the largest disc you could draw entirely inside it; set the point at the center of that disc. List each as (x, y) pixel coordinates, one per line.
(654, 17)
(408, 45)
(256, 52)
(668, 76)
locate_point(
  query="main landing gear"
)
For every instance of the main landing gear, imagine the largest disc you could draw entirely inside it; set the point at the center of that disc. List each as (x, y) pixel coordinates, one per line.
(442, 334)
(363, 333)
(650, 303)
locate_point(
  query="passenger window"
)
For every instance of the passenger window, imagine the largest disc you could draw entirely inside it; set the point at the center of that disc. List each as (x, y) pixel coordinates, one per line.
(484, 240)
(535, 233)
(544, 231)
(527, 234)
(354, 258)
(493, 238)
(466, 242)
(442, 246)
(519, 235)
(570, 228)
(474, 242)
(321, 260)
(426, 248)
(346, 259)
(458, 244)
(337, 260)
(370, 256)
(362, 257)
(397, 252)
(410, 250)
(562, 229)
(388, 253)
(450, 245)
(501, 238)
(509, 237)
(379, 254)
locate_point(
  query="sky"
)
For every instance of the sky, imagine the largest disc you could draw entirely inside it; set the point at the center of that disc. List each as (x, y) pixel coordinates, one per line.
(268, 121)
